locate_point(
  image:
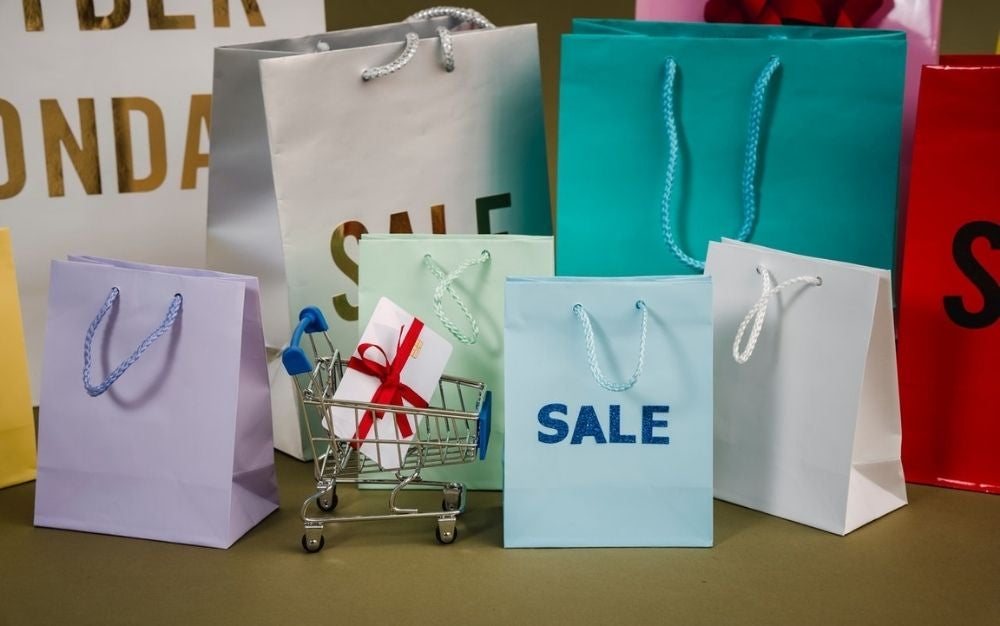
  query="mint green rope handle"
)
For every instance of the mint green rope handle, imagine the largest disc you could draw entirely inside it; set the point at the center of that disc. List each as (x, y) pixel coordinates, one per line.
(445, 284)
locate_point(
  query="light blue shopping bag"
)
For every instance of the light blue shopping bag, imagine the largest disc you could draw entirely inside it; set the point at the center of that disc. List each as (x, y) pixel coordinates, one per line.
(608, 412)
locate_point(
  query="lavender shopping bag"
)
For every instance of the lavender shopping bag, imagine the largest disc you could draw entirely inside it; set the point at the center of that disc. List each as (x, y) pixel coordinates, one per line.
(175, 442)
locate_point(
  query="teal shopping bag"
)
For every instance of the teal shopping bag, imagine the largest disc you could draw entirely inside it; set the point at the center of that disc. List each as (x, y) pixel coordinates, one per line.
(608, 412)
(455, 285)
(673, 135)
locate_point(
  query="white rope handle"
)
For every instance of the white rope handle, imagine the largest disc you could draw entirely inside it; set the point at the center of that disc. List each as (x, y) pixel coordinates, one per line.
(758, 311)
(463, 16)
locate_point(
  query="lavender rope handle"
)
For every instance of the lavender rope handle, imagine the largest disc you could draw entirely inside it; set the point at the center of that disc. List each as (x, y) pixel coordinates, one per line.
(462, 16)
(95, 390)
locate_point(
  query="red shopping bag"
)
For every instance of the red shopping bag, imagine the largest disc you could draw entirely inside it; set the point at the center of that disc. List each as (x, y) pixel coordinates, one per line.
(949, 329)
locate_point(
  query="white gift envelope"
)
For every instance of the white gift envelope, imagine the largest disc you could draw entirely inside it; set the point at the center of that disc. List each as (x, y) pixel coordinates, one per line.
(394, 346)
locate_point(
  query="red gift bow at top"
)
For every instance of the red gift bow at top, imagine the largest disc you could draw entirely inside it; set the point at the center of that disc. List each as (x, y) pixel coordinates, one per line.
(850, 13)
(391, 390)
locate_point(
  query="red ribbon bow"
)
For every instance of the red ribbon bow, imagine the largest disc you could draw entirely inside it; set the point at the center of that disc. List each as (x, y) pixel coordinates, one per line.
(391, 390)
(849, 13)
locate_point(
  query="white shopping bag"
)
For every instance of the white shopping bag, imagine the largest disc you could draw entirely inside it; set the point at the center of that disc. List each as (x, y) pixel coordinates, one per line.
(807, 423)
(398, 362)
(420, 150)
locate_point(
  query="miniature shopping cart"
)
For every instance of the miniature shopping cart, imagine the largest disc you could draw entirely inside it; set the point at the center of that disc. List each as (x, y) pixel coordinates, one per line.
(453, 429)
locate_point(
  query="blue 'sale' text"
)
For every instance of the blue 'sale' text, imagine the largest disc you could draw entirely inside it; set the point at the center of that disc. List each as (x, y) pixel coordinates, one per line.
(588, 425)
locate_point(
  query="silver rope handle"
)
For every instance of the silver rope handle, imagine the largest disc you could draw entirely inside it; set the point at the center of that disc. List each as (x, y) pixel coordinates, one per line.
(462, 16)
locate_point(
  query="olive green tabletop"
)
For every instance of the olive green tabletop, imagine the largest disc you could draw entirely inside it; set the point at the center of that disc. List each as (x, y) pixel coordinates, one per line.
(935, 561)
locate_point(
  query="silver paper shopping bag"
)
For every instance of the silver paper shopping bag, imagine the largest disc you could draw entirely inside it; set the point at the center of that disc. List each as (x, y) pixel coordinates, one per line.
(419, 149)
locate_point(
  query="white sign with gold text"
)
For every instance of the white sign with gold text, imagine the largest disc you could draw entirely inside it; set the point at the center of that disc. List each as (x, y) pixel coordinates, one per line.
(104, 124)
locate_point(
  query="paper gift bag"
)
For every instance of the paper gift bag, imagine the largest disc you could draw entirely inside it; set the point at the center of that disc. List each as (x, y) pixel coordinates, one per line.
(353, 156)
(919, 19)
(243, 231)
(672, 135)
(806, 397)
(949, 319)
(398, 362)
(167, 433)
(608, 412)
(17, 423)
(455, 284)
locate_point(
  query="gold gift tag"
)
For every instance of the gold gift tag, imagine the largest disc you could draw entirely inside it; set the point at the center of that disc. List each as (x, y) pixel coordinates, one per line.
(416, 349)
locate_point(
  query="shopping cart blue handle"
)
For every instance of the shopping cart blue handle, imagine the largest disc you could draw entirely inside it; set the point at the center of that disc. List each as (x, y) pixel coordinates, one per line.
(484, 424)
(294, 358)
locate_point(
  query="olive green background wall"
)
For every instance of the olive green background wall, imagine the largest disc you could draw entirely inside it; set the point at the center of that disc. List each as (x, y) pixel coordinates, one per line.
(968, 26)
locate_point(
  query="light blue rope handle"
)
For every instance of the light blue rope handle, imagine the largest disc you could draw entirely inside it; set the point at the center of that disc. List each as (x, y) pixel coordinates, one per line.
(94, 391)
(750, 157)
(595, 369)
(445, 285)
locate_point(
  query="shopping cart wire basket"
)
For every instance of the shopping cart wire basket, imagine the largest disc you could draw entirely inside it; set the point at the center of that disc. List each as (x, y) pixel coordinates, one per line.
(454, 428)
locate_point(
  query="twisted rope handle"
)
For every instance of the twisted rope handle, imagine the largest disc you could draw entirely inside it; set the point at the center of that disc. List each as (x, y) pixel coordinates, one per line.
(595, 368)
(409, 49)
(93, 391)
(758, 311)
(462, 16)
(750, 157)
(445, 284)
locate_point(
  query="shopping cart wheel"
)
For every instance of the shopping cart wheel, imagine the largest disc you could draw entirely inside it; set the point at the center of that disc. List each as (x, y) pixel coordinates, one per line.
(327, 501)
(446, 531)
(452, 497)
(313, 545)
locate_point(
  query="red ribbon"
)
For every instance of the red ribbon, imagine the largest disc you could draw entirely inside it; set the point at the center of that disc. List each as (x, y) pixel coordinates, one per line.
(391, 390)
(849, 13)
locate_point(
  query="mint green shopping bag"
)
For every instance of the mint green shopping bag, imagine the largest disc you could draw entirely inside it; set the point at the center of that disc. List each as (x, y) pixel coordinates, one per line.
(673, 135)
(455, 285)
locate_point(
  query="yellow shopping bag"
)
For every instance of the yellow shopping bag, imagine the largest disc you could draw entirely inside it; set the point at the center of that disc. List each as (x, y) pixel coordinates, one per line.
(17, 426)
